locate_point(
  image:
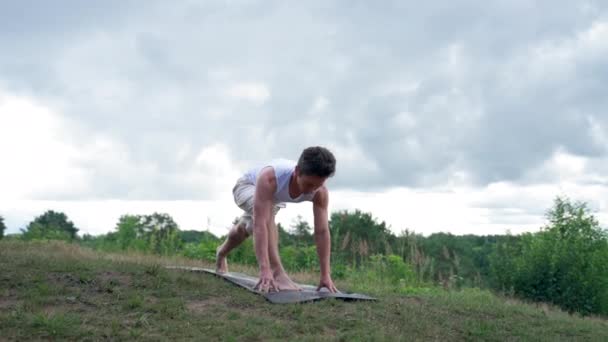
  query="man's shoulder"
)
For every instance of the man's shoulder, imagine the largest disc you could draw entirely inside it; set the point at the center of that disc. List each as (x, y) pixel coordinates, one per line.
(321, 196)
(267, 178)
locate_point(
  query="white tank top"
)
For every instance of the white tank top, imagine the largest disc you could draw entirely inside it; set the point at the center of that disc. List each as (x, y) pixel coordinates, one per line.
(283, 170)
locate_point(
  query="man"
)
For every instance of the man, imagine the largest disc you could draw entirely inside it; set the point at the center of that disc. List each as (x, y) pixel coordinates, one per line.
(261, 192)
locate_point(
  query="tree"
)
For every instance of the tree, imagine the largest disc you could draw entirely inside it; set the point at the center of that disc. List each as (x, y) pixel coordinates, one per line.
(2, 227)
(356, 236)
(285, 238)
(157, 233)
(195, 236)
(51, 225)
(302, 232)
(129, 233)
(161, 232)
(199, 244)
(566, 263)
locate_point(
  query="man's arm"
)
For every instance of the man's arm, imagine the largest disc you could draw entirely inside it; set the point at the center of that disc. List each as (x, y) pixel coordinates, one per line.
(262, 207)
(322, 237)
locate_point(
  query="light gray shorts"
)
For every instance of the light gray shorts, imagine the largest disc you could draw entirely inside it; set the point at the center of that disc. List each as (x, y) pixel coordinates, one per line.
(243, 192)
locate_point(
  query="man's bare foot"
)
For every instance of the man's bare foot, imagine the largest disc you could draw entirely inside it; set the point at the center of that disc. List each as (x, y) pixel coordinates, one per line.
(221, 264)
(283, 283)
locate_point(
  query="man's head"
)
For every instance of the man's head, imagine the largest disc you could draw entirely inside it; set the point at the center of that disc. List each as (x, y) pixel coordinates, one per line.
(315, 165)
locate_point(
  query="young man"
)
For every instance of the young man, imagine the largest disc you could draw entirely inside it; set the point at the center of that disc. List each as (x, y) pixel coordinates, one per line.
(261, 192)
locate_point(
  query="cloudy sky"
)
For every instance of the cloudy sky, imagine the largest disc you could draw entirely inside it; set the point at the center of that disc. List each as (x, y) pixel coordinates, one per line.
(459, 116)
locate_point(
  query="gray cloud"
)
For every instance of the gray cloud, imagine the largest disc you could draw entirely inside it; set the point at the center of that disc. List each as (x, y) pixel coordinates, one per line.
(406, 94)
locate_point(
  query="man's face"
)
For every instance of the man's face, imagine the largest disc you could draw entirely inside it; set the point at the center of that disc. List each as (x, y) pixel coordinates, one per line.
(309, 184)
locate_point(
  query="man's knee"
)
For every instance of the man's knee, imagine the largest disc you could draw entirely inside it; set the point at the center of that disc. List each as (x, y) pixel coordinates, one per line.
(240, 229)
(245, 233)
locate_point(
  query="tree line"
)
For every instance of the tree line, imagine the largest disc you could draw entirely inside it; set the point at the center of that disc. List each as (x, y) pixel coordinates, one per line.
(564, 263)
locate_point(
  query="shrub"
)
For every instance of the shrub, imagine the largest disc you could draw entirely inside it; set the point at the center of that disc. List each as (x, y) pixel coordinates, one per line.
(566, 263)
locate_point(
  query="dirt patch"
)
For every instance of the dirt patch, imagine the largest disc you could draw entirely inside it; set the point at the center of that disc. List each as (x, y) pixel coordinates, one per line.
(8, 303)
(62, 279)
(203, 306)
(101, 282)
(61, 308)
(114, 278)
(151, 300)
(512, 302)
(411, 300)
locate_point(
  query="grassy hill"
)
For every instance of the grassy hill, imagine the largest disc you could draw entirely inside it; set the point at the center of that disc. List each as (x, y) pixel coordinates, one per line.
(59, 291)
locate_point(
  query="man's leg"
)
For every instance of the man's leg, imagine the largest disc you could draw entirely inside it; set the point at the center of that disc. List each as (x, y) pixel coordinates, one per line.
(236, 236)
(281, 279)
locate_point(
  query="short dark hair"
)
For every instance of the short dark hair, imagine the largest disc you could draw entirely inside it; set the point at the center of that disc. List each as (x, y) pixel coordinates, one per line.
(317, 161)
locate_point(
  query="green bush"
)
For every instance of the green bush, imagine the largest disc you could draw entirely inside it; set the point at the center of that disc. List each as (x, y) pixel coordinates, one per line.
(503, 259)
(51, 225)
(339, 271)
(288, 257)
(381, 274)
(205, 250)
(391, 268)
(37, 231)
(2, 227)
(299, 258)
(566, 263)
(244, 254)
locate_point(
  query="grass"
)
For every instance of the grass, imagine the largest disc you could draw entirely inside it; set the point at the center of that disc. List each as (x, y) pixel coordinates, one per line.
(59, 291)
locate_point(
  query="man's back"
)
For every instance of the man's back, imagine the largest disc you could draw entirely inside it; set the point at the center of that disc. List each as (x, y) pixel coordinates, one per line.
(283, 171)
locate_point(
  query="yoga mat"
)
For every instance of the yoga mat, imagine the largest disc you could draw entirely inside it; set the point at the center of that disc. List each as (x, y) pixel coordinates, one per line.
(308, 293)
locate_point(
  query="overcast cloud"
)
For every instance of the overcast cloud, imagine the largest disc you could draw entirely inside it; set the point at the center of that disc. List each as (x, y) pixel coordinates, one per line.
(497, 106)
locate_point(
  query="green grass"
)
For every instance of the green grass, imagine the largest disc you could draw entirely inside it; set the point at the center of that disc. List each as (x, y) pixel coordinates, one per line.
(63, 292)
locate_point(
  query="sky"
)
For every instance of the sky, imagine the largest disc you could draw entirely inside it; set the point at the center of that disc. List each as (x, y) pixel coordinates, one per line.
(465, 117)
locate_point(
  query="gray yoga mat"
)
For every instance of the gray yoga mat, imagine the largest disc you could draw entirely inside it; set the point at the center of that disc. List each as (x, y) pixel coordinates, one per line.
(308, 293)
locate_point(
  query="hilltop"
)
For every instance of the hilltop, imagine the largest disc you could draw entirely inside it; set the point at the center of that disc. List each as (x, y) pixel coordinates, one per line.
(63, 291)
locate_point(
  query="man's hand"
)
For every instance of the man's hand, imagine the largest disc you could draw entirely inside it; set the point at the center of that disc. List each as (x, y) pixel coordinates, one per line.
(266, 283)
(327, 283)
